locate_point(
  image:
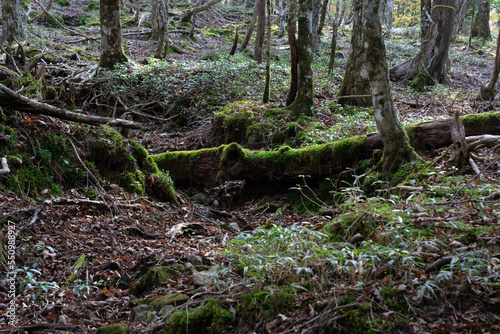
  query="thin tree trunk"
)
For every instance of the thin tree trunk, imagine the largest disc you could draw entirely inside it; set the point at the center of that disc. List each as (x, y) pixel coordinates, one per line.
(251, 26)
(163, 42)
(459, 18)
(137, 16)
(333, 46)
(235, 43)
(291, 29)
(261, 27)
(317, 37)
(488, 92)
(265, 98)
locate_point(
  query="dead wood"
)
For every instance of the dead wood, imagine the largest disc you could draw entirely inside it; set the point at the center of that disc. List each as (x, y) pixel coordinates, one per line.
(460, 149)
(14, 100)
(186, 16)
(232, 162)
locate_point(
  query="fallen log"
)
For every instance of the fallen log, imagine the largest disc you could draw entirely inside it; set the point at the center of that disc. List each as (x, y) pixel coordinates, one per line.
(232, 162)
(21, 103)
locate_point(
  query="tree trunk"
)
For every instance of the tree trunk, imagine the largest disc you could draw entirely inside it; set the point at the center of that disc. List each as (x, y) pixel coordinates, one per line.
(291, 27)
(317, 36)
(429, 66)
(155, 20)
(163, 39)
(282, 16)
(267, 85)
(481, 24)
(333, 46)
(111, 34)
(186, 16)
(488, 92)
(231, 162)
(356, 80)
(386, 16)
(397, 149)
(459, 18)
(10, 20)
(304, 101)
(261, 28)
(251, 26)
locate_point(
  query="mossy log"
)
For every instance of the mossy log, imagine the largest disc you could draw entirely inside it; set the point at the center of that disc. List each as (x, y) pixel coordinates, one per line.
(232, 162)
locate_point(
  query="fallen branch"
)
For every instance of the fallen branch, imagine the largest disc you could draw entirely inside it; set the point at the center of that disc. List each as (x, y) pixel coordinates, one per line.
(25, 104)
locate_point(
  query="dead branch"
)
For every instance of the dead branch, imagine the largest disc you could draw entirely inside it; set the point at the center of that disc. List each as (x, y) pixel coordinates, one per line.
(25, 104)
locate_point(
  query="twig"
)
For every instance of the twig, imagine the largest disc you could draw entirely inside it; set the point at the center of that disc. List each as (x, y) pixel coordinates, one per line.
(58, 22)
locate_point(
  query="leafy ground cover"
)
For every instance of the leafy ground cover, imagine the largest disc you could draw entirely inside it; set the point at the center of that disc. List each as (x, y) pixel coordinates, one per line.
(352, 253)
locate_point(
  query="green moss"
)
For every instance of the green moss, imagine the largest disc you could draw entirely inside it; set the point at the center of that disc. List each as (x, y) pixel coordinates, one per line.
(420, 80)
(153, 278)
(62, 2)
(76, 268)
(482, 119)
(91, 6)
(174, 299)
(210, 318)
(113, 329)
(265, 304)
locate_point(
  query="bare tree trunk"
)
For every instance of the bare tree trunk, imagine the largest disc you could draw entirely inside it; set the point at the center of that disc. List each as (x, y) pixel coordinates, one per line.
(265, 98)
(386, 16)
(111, 34)
(304, 101)
(235, 42)
(397, 148)
(282, 17)
(488, 92)
(10, 20)
(459, 18)
(356, 81)
(291, 28)
(333, 46)
(481, 24)
(317, 37)
(251, 26)
(137, 16)
(261, 27)
(163, 40)
(429, 66)
(155, 20)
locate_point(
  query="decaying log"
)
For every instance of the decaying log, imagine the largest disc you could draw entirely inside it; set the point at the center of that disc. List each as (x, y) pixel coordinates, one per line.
(232, 162)
(10, 98)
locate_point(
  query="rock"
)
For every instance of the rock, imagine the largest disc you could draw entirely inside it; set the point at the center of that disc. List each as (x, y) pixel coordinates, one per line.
(204, 278)
(113, 329)
(201, 198)
(194, 259)
(138, 312)
(234, 227)
(153, 278)
(174, 299)
(166, 310)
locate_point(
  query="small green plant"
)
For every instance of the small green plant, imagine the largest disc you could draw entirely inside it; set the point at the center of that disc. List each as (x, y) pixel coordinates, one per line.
(64, 3)
(26, 279)
(81, 289)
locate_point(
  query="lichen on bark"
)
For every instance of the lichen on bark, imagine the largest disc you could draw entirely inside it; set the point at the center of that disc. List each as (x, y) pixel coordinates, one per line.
(111, 34)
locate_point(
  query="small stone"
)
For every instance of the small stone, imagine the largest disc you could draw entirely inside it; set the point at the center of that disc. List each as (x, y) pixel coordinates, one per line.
(201, 198)
(234, 227)
(194, 259)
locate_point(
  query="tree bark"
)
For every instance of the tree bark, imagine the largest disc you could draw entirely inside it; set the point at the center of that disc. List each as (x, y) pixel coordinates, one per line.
(317, 36)
(386, 16)
(10, 20)
(459, 18)
(429, 66)
(111, 34)
(304, 101)
(163, 39)
(267, 85)
(397, 149)
(481, 24)
(333, 46)
(251, 26)
(261, 28)
(231, 162)
(291, 28)
(356, 80)
(488, 92)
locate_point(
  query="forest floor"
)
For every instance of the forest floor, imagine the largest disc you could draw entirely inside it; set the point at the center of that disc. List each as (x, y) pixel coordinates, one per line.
(352, 253)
